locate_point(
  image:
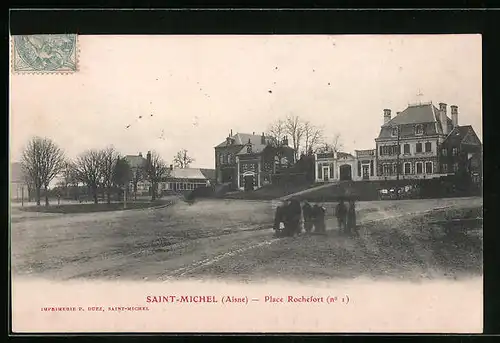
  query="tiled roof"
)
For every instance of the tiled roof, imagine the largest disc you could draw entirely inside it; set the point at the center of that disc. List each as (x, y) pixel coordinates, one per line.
(187, 173)
(242, 139)
(426, 114)
(135, 161)
(16, 172)
(457, 135)
(209, 173)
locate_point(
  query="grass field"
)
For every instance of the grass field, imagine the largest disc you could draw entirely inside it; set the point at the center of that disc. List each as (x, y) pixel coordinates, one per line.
(91, 207)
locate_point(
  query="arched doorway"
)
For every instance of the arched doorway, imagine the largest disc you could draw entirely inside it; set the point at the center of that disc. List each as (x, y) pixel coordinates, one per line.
(248, 181)
(345, 172)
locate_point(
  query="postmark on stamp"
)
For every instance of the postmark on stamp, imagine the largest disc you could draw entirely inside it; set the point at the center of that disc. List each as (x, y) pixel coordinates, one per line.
(48, 53)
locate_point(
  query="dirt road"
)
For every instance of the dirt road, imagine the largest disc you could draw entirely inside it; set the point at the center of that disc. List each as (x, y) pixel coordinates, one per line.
(178, 241)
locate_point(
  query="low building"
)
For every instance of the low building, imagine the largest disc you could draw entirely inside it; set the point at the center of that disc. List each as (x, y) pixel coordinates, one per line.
(186, 179)
(138, 165)
(18, 187)
(338, 166)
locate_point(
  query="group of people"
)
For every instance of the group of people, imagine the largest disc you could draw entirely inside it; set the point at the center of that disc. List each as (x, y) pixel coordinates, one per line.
(346, 217)
(291, 214)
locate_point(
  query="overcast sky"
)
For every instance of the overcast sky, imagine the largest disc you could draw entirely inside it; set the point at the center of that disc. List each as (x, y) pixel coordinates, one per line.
(192, 90)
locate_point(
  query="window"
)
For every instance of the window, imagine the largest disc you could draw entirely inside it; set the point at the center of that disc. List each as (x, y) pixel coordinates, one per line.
(371, 168)
(406, 149)
(444, 152)
(455, 151)
(387, 169)
(428, 167)
(331, 170)
(394, 168)
(381, 153)
(445, 168)
(359, 168)
(221, 158)
(394, 131)
(419, 129)
(428, 147)
(224, 158)
(455, 167)
(320, 174)
(407, 167)
(418, 147)
(229, 157)
(419, 167)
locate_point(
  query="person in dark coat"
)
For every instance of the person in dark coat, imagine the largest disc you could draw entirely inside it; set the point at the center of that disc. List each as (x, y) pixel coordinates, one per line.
(351, 218)
(319, 218)
(341, 213)
(293, 214)
(307, 214)
(279, 217)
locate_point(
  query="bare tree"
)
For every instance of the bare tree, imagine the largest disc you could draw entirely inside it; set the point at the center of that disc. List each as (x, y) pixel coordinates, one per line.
(276, 132)
(295, 129)
(109, 156)
(42, 160)
(68, 178)
(182, 159)
(89, 167)
(137, 175)
(313, 137)
(331, 145)
(155, 171)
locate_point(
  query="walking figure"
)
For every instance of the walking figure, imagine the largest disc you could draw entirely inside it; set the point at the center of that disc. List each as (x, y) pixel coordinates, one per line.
(351, 218)
(318, 213)
(341, 212)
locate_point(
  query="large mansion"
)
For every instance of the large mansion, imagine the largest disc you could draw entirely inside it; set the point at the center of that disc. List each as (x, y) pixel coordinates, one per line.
(420, 142)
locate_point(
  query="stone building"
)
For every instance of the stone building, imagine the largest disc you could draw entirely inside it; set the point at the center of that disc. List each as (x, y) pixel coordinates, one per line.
(186, 179)
(461, 153)
(338, 166)
(407, 146)
(248, 161)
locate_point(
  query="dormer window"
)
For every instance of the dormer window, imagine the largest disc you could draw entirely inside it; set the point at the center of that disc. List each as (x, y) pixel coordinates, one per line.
(394, 132)
(419, 129)
(249, 149)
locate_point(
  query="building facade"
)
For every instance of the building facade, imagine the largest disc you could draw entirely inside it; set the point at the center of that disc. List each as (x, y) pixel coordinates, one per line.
(181, 180)
(407, 146)
(339, 166)
(138, 165)
(18, 187)
(248, 161)
(461, 153)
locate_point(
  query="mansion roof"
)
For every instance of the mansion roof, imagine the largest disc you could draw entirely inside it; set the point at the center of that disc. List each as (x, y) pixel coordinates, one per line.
(242, 139)
(135, 161)
(426, 114)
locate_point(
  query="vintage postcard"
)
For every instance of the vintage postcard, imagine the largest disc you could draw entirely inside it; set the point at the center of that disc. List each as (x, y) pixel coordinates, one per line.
(266, 183)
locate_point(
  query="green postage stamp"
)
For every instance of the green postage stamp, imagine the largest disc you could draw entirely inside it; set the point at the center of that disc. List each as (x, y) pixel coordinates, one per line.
(48, 53)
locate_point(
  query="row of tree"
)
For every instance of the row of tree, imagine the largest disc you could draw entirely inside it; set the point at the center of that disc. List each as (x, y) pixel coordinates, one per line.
(98, 169)
(306, 138)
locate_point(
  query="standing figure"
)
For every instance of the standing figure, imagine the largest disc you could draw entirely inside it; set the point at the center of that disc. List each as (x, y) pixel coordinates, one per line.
(279, 217)
(351, 218)
(293, 214)
(318, 213)
(341, 212)
(308, 218)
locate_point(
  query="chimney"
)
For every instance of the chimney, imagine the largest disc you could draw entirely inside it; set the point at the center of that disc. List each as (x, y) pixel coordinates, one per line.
(454, 115)
(171, 167)
(263, 139)
(443, 118)
(387, 115)
(231, 134)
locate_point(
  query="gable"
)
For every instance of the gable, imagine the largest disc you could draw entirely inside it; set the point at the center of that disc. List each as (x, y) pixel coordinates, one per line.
(471, 138)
